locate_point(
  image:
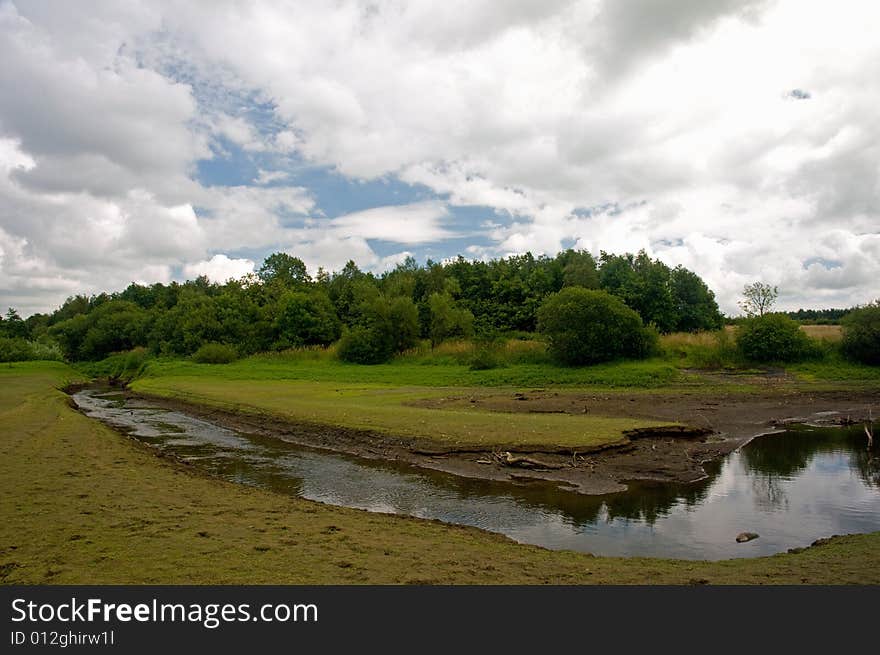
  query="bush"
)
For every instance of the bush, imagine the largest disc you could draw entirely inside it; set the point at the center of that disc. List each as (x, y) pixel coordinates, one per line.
(773, 338)
(485, 358)
(215, 353)
(16, 349)
(861, 334)
(124, 366)
(585, 326)
(365, 345)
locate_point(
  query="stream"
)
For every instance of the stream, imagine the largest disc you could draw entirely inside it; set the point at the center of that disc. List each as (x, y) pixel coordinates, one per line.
(790, 488)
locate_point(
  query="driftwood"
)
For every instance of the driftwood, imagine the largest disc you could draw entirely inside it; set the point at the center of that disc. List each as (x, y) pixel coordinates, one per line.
(525, 462)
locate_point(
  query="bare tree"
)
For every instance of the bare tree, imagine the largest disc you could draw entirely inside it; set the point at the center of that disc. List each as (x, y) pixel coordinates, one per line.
(758, 298)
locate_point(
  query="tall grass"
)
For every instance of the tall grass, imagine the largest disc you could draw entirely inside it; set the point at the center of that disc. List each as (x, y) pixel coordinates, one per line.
(124, 366)
(702, 349)
(830, 333)
(478, 354)
(492, 363)
(299, 354)
(718, 350)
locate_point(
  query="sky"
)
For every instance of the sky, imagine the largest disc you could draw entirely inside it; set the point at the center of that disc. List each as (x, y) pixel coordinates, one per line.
(156, 141)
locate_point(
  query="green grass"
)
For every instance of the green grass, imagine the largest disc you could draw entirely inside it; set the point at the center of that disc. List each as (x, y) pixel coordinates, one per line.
(835, 369)
(123, 366)
(311, 386)
(81, 504)
(388, 410)
(315, 366)
(518, 363)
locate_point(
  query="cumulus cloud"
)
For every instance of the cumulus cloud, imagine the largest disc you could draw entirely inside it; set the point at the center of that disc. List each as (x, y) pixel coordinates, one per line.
(220, 268)
(411, 224)
(737, 138)
(267, 177)
(239, 131)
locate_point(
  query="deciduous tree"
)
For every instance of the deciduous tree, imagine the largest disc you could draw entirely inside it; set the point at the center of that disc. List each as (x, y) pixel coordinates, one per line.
(758, 298)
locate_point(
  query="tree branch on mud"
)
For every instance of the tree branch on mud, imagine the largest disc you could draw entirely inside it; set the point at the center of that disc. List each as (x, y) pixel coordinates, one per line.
(508, 459)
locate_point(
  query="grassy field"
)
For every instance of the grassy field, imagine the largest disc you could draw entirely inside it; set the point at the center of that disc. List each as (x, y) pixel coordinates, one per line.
(831, 333)
(80, 503)
(384, 409)
(312, 385)
(423, 370)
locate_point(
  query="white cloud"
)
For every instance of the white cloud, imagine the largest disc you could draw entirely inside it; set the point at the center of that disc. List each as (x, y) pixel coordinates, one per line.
(239, 131)
(250, 217)
(410, 224)
(267, 177)
(679, 114)
(220, 268)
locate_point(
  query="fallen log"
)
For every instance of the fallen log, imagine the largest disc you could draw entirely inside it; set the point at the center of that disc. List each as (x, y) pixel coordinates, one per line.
(527, 462)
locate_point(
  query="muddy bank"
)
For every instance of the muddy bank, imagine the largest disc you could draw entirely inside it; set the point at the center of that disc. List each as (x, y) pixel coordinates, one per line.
(712, 426)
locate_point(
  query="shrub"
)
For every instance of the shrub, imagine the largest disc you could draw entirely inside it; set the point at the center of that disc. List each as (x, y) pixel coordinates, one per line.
(485, 357)
(365, 345)
(124, 366)
(215, 353)
(517, 351)
(132, 363)
(16, 349)
(585, 326)
(773, 338)
(861, 334)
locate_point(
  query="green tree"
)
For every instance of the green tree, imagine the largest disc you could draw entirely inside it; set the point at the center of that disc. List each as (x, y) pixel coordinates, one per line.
(344, 293)
(584, 326)
(70, 333)
(184, 328)
(401, 281)
(284, 269)
(861, 334)
(758, 298)
(307, 319)
(114, 326)
(448, 319)
(772, 338)
(579, 269)
(695, 306)
(13, 326)
(365, 345)
(73, 306)
(382, 325)
(403, 317)
(645, 285)
(241, 319)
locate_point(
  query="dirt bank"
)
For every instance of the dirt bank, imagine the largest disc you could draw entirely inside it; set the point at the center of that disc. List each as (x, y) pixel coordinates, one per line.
(712, 426)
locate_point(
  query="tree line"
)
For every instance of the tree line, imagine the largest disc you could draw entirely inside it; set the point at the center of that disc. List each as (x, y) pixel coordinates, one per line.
(373, 316)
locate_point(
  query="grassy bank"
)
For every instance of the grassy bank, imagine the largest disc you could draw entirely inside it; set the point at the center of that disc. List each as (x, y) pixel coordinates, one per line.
(510, 363)
(312, 385)
(389, 410)
(80, 503)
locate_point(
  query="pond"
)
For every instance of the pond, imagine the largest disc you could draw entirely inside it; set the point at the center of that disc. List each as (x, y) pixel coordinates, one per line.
(790, 488)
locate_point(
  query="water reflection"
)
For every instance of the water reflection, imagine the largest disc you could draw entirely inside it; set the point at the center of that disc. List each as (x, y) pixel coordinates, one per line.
(787, 454)
(790, 488)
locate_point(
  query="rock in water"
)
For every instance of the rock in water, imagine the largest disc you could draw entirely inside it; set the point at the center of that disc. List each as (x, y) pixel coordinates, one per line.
(742, 537)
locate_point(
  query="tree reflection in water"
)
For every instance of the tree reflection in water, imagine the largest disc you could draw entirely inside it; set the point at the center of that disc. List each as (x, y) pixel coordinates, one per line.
(784, 455)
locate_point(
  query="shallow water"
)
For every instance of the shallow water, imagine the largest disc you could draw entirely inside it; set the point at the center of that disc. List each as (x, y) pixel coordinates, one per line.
(790, 488)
